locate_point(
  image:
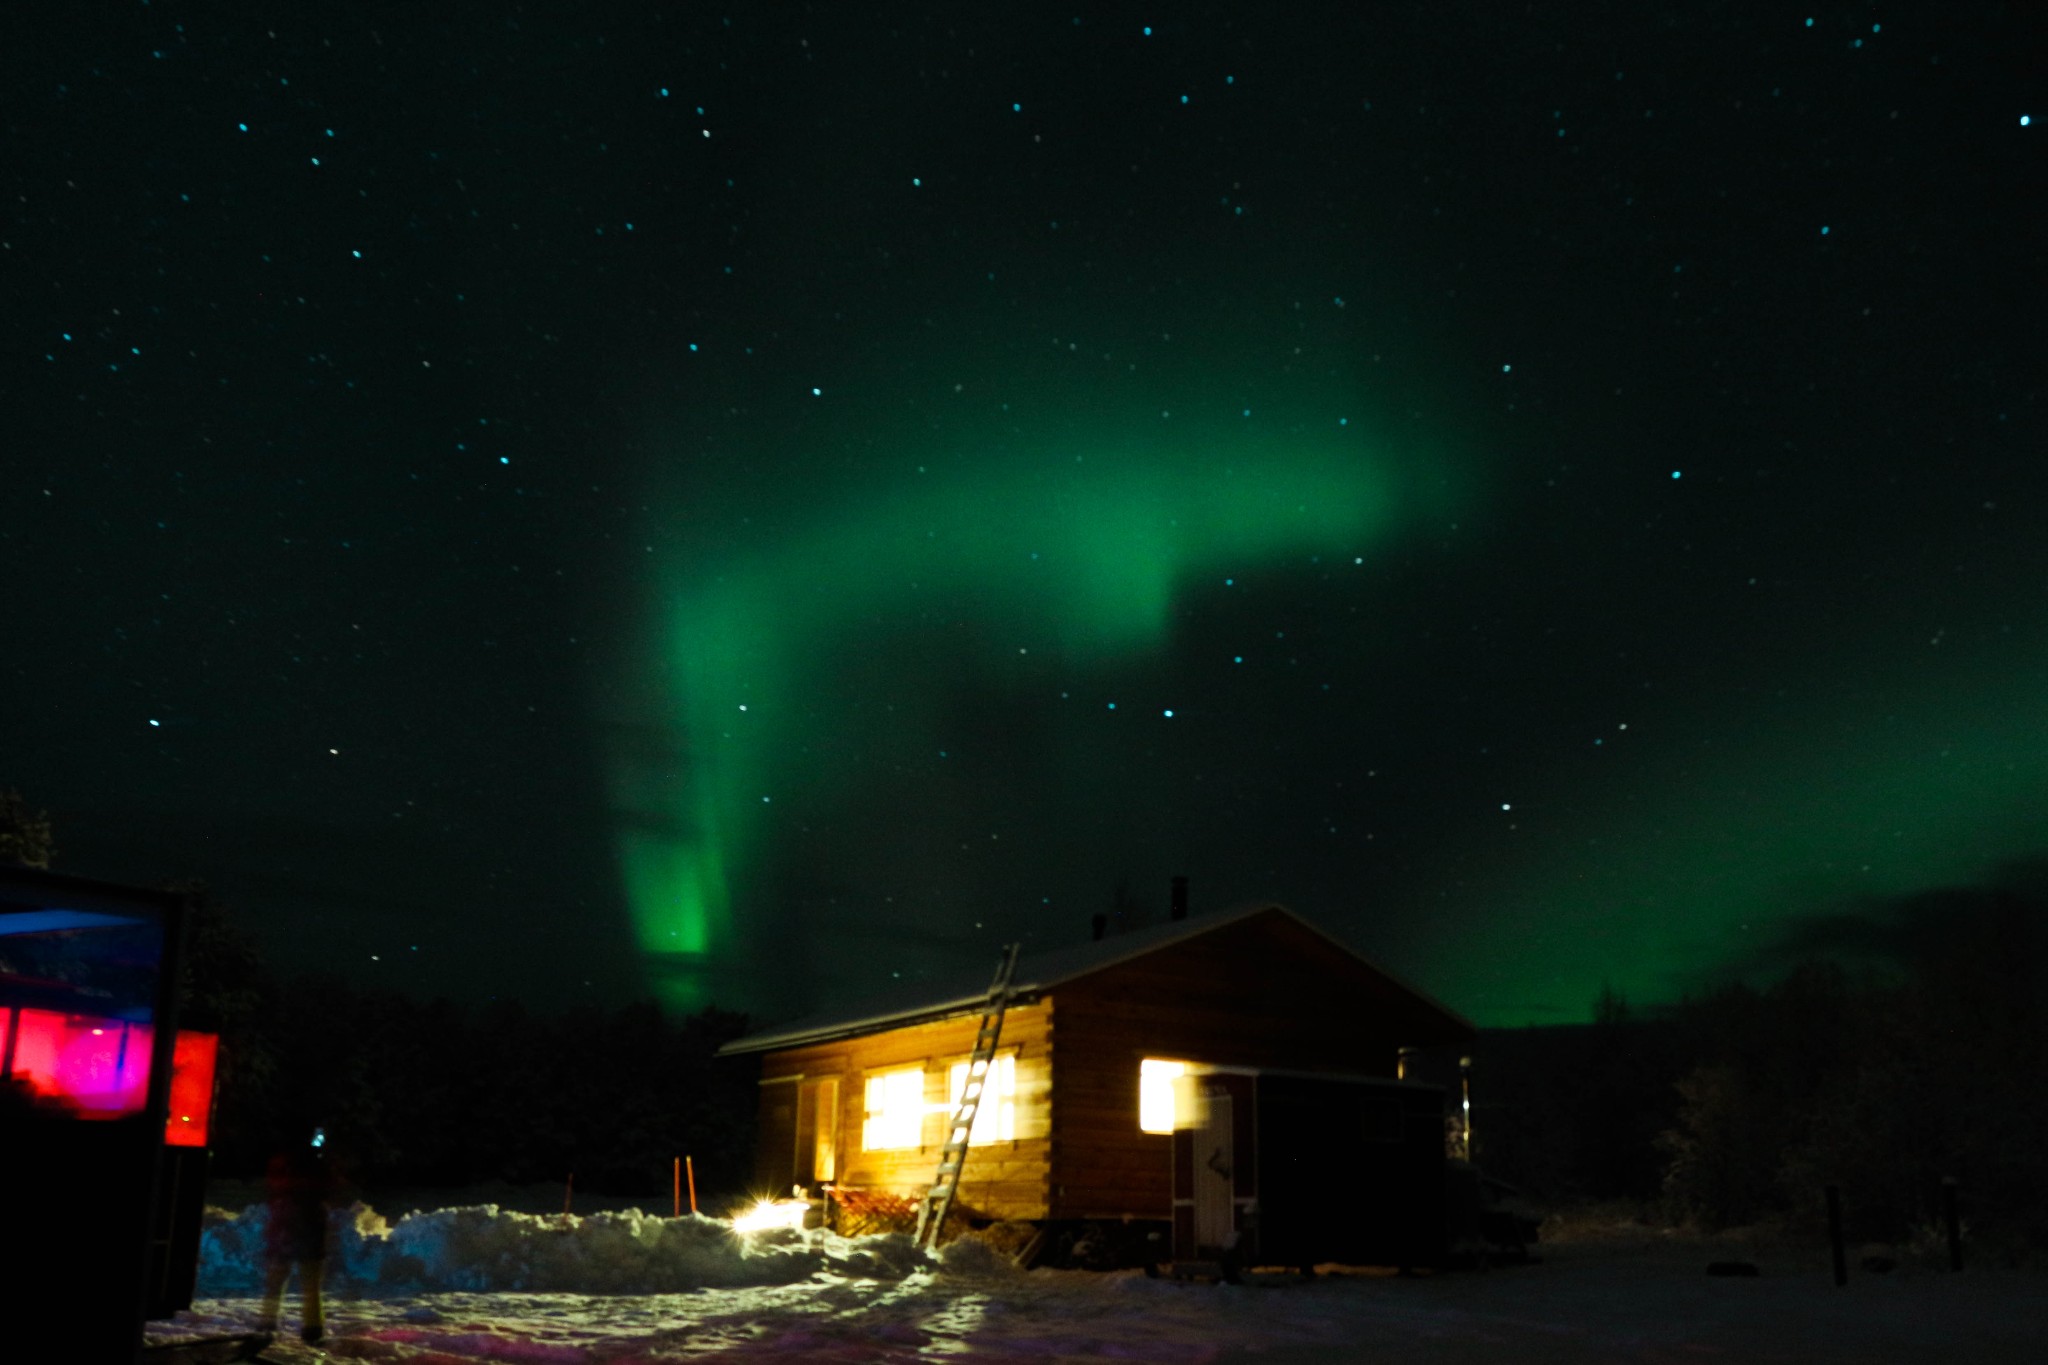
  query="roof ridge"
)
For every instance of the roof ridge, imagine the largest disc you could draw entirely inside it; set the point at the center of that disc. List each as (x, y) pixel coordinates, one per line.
(1042, 970)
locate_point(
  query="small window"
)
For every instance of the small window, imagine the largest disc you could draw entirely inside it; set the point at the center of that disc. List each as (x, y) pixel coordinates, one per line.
(895, 1110)
(996, 1119)
(1155, 1093)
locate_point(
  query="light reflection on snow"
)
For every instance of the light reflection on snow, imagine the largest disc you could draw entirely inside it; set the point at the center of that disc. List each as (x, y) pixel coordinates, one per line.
(953, 1325)
(1637, 1302)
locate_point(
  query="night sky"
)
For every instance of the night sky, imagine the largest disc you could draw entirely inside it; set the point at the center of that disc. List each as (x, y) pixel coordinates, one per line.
(580, 502)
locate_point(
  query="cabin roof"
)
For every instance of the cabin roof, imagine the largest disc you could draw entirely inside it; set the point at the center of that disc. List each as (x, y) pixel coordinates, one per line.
(1037, 972)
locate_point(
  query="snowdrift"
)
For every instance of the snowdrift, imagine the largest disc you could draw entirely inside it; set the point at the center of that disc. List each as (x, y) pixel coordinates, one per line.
(485, 1249)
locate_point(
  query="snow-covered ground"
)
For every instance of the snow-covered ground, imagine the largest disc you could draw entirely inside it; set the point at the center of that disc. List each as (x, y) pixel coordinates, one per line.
(456, 1286)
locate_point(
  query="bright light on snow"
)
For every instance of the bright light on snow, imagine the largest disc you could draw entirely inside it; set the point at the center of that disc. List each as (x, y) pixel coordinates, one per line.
(481, 1284)
(772, 1213)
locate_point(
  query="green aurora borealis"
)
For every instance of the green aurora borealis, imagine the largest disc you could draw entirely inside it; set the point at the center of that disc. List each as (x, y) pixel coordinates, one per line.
(620, 499)
(1657, 855)
(1083, 562)
(1834, 804)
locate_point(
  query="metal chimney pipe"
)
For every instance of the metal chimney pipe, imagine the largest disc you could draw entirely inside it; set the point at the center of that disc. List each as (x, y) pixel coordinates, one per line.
(1180, 898)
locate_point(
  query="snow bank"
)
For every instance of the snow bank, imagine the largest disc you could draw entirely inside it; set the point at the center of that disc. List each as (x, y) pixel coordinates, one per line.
(1591, 1301)
(973, 1255)
(485, 1249)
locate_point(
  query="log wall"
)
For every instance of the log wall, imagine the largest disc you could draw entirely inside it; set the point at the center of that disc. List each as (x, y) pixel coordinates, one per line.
(1000, 1179)
(1265, 992)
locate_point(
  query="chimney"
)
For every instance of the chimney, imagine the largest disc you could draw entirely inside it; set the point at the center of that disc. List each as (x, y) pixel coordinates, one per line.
(1180, 898)
(1101, 925)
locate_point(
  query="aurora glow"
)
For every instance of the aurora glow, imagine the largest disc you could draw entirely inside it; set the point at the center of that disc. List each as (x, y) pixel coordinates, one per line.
(1080, 560)
(1918, 777)
(756, 506)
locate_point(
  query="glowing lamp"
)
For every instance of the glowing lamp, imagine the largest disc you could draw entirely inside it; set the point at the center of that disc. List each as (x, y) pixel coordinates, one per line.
(97, 1068)
(193, 1056)
(771, 1213)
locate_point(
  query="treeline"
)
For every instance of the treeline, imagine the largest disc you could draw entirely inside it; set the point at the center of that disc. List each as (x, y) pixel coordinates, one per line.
(416, 1093)
(1907, 1048)
(434, 1093)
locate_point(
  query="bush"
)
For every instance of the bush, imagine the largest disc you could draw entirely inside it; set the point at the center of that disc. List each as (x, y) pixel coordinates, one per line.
(1883, 1084)
(1723, 1167)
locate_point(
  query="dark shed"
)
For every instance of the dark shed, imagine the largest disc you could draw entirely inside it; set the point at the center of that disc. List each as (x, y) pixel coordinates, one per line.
(1281, 1168)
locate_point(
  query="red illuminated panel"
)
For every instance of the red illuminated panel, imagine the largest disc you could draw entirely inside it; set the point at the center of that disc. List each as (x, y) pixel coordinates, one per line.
(192, 1060)
(98, 1068)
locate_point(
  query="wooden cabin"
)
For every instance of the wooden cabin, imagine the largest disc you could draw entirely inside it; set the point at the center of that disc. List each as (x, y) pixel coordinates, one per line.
(1077, 1120)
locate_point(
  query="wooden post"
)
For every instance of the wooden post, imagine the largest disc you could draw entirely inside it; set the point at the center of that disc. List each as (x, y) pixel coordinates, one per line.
(1955, 1227)
(1834, 1194)
(568, 1193)
(690, 1171)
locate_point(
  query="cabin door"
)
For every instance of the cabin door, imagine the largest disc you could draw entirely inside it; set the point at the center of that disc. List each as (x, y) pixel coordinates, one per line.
(817, 1132)
(1215, 1170)
(775, 1156)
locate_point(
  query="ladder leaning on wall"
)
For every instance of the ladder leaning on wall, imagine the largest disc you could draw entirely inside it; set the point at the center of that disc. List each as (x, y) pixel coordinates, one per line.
(938, 1201)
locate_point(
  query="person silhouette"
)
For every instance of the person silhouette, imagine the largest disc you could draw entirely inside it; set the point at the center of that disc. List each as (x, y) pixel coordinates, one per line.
(301, 1185)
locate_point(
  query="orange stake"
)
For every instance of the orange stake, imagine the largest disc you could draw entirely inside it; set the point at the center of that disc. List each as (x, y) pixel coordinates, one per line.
(679, 1188)
(690, 1170)
(568, 1193)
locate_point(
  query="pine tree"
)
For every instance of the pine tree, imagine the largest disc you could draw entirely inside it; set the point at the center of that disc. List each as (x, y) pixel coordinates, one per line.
(25, 838)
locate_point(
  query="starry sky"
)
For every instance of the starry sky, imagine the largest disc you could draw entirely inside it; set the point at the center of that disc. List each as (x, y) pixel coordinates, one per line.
(741, 504)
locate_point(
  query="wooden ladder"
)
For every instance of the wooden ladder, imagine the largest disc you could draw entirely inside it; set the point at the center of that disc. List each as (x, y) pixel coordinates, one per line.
(938, 1201)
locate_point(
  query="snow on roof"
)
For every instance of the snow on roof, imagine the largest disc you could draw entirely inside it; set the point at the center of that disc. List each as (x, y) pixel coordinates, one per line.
(924, 1001)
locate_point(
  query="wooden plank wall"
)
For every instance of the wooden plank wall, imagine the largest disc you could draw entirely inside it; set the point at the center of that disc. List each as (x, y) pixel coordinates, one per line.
(1264, 992)
(1001, 1179)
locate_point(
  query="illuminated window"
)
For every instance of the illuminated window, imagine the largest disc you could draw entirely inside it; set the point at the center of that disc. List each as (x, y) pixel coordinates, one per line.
(94, 1068)
(895, 1116)
(996, 1119)
(1155, 1093)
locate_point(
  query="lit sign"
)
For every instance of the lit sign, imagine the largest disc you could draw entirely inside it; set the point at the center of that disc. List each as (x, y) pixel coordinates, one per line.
(192, 1063)
(96, 1068)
